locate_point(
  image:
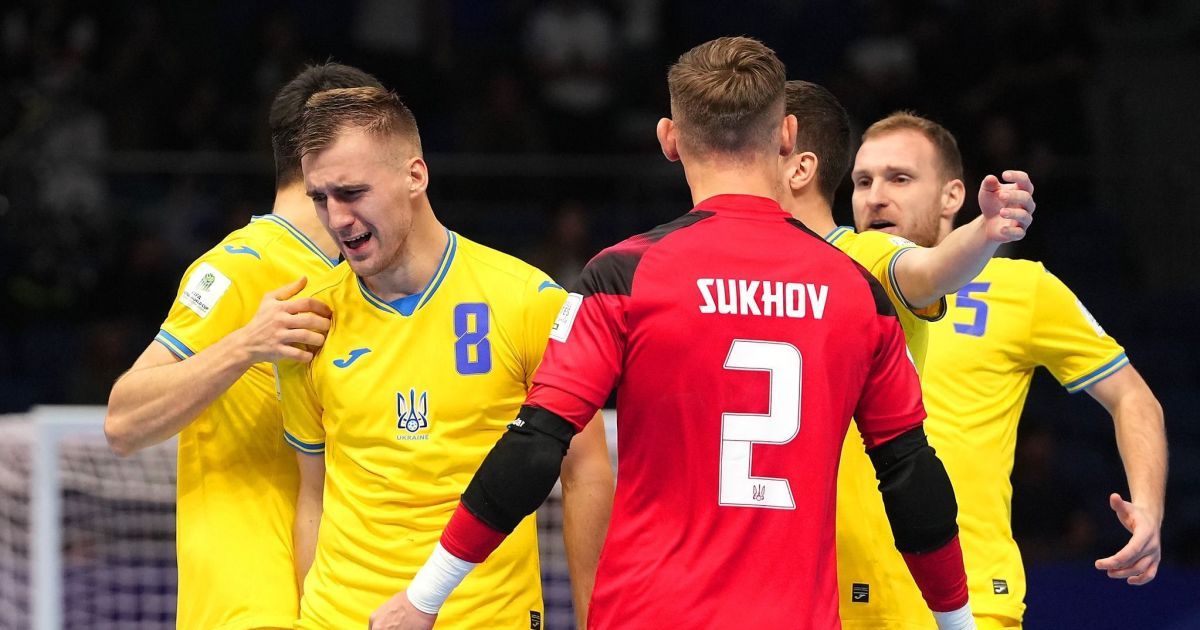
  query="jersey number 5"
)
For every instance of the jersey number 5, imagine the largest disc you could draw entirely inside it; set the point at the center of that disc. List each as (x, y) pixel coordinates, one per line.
(963, 299)
(741, 431)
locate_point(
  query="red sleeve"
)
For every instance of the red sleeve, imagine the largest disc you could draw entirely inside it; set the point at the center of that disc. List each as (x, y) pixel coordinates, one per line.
(586, 350)
(940, 576)
(891, 399)
(468, 538)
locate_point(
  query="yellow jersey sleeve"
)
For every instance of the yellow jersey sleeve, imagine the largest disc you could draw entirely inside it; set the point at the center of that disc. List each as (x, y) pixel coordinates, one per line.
(219, 293)
(1068, 340)
(546, 299)
(879, 252)
(302, 426)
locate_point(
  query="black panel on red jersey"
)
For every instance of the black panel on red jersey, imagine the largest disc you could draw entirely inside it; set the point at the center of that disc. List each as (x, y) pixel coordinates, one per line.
(883, 304)
(611, 271)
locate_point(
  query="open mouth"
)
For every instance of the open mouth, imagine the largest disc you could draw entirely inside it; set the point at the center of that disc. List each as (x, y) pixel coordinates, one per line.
(357, 241)
(880, 225)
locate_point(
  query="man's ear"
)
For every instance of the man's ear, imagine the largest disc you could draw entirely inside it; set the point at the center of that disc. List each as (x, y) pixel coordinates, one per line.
(801, 170)
(787, 135)
(953, 196)
(418, 176)
(668, 139)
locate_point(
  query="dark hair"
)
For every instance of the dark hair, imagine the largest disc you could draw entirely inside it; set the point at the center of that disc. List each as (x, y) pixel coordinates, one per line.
(727, 95)
(943, 141)
(287, 111)
(823, 128)
(375, 110)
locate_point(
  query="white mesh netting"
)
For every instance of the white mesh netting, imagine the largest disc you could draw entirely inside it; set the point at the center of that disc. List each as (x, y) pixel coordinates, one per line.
(118, 536)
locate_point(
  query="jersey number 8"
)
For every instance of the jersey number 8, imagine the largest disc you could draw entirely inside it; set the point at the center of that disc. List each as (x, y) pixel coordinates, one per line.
(472, 350)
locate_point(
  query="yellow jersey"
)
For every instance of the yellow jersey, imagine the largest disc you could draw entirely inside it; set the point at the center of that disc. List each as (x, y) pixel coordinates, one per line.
(1013, 317)
(237, 482)
(858, 498)
(404, 401)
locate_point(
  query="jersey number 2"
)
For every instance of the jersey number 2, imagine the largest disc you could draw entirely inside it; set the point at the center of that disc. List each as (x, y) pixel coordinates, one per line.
(471, 328)
(741, 431)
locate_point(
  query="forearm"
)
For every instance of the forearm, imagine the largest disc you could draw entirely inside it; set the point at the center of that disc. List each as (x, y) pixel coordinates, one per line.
(514, 479)
(925, 275)
(1142, 442)
(587, 484)
(919, 501)
(309, 508)
(304, 536)
(150, 404)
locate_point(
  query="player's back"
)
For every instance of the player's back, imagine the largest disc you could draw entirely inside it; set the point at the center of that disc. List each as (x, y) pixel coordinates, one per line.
(748, 343)
(237, 479)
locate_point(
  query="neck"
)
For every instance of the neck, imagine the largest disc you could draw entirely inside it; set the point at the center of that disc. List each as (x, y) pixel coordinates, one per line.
(810, 208)
(708, 178)
(293, 204)
(417, 260)
(945, 227)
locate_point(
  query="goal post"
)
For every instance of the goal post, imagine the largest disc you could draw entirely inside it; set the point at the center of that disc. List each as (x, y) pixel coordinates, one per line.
(87, 539)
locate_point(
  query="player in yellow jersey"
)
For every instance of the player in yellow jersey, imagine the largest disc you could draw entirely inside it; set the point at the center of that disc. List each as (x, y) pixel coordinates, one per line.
(433, 344)
(915, 279)
(1011, 318)
(207, 377)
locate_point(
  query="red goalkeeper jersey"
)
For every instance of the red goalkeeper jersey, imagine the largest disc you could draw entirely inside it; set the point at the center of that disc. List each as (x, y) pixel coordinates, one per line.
(740, 344)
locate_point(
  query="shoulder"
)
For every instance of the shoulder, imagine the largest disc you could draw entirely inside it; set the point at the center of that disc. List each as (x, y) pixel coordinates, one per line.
(868, 247)
(1016, 274)
(330, 285)
(611, 271)
(238, 260)
(499, 266)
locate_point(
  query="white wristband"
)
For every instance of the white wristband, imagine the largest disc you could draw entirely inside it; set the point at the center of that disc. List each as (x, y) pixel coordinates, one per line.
(960, 619)
(443, 571)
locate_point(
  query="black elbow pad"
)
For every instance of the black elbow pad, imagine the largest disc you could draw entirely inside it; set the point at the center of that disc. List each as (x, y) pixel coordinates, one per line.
(917, 494)
(519, 473)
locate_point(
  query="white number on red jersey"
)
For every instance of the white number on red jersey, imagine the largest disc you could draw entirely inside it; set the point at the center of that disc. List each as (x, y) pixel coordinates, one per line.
(741, 431)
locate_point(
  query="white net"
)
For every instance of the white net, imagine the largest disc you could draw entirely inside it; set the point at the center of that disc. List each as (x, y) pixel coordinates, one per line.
(117, 549)
(15, 437)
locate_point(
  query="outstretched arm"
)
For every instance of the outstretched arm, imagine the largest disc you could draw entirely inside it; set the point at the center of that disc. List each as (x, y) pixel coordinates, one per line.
(1142, 441)
(161, 395)
(924, 275)
(587, 487)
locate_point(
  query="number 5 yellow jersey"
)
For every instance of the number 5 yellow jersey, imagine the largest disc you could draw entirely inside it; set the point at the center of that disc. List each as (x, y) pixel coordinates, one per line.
(1013, 317)
(404, 401)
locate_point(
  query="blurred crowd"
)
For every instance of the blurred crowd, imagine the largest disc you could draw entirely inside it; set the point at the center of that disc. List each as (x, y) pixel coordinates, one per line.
(133, 137)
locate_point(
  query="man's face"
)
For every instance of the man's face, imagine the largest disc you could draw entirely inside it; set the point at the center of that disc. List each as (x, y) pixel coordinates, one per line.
(898, 186)
(360, 185)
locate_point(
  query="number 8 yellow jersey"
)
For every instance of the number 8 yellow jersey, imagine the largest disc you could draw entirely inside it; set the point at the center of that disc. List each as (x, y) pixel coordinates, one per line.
(404, 401)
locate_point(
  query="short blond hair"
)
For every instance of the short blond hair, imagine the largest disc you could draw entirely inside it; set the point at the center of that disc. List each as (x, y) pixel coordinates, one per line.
(375, 110)
(727, 95)
(944, 144)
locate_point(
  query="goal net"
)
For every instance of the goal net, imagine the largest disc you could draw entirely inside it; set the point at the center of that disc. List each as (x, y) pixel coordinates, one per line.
(87, 539)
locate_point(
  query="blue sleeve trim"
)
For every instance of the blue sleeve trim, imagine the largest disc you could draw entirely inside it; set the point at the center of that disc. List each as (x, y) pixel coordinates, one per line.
(312, 448)
(177, 347)
(1098, 374)
(900, 293)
